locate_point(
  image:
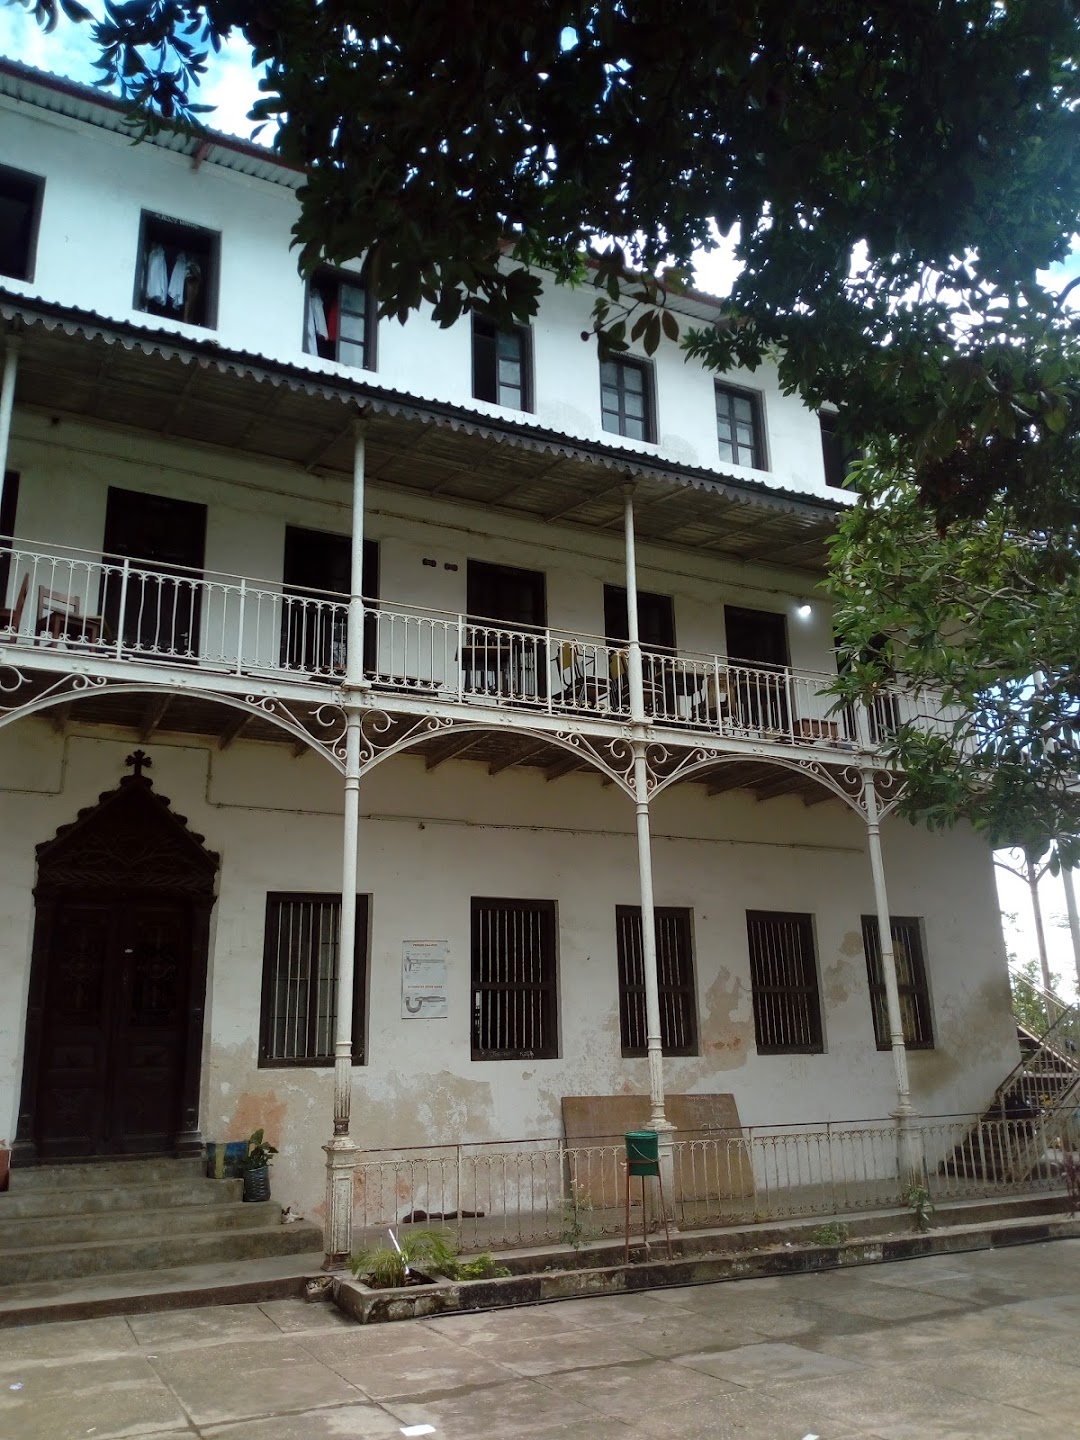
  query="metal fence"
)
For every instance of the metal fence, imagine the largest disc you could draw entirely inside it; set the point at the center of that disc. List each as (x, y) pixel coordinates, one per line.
(545, 1192)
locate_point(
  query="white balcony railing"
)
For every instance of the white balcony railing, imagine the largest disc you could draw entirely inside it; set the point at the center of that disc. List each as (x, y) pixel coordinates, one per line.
(167, 615)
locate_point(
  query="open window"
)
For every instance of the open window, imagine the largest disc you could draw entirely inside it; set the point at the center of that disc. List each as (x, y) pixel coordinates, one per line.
(837, 453)
(501, 368)
(20, 211)
(177, 271)
(339, 319)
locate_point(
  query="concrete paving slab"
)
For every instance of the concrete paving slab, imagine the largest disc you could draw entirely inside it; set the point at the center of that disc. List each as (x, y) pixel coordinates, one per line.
(417, 1370)
(528, 1323)
(503, 1412)
(347, 1422)
(293, 1316)
(650, 1394)
(72, 1341)
(249, 1380)
(560, 1352)
(181, 1328)
(759, 1415)
(765, 1364)
(102, 1397)
(893, 1406)
(1028, 1382)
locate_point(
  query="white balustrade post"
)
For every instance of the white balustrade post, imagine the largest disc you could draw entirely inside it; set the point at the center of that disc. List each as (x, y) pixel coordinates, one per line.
(7, 402)
(240, 626)
(909, 1148)
(125, 573)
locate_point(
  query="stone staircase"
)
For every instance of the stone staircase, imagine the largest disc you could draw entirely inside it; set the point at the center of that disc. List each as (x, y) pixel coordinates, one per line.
(1033, 1110)
(108, 1217)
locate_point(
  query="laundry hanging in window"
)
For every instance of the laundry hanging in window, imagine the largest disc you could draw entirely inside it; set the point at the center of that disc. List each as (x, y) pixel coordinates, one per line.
(157, 275)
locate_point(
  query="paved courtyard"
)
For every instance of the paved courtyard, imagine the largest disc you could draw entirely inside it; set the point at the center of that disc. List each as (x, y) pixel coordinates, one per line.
(971, 1347)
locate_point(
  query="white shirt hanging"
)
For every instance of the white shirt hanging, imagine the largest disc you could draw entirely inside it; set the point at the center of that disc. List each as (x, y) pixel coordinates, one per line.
(316, 321)
(177, 280)
(157, 276)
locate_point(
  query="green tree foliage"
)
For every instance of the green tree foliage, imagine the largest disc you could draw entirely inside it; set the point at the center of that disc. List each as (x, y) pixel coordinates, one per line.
(982, 618)
(892, 169)
(1028, 1006)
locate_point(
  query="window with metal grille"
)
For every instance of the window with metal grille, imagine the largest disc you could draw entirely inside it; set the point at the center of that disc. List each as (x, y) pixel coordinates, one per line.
(739, 431)
(675, 977)
(513, 980)
(339, 319)
(910, 981)
(626, 399)
(300, 971)
(784, 982)
(500, 360)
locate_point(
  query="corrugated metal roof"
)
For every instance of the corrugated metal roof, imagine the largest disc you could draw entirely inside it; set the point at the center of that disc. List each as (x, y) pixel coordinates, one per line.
(95, 107)
(86, 366)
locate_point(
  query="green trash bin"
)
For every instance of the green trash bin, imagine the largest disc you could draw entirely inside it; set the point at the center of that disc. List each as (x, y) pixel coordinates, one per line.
(642, 1152)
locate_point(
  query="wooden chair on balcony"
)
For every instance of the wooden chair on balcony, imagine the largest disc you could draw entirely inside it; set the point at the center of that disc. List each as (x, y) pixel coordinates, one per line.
(12, 619)
(59, 621)
(575, 673)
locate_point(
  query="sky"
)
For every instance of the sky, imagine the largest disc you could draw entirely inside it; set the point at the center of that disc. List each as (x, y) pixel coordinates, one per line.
(231, 87)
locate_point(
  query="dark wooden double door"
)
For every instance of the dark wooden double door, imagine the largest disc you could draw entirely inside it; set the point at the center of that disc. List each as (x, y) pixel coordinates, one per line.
(114, 1024)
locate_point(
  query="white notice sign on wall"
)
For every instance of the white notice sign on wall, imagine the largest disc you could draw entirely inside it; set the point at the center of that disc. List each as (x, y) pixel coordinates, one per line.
(423, 979)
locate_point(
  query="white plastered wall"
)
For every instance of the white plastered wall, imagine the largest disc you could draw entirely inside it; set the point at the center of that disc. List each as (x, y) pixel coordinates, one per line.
(66, 469)
(97, 185)
(429, 841)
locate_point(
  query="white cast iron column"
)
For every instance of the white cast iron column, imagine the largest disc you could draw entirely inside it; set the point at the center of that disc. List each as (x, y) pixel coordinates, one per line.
(7, 401)
(657, 1119)
(341, 1151)
(908, 1142)
(1074, 918)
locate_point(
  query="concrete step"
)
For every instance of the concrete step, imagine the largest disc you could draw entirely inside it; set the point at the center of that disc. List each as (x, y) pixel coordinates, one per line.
(97, 1174)
(135, 1292)
(85, 1199)
(119, 1224)
(27, 1264)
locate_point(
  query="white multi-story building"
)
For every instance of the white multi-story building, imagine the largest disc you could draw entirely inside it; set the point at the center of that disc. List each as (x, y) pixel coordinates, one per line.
(527, 644)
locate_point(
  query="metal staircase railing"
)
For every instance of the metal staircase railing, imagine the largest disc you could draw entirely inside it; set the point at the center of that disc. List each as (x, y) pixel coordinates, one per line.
(1038, 1097)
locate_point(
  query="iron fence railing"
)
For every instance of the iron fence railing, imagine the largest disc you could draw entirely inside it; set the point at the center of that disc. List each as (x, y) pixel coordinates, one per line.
(541, 1192)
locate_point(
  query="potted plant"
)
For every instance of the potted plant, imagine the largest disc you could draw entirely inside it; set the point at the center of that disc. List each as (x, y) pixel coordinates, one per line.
(257, 1167)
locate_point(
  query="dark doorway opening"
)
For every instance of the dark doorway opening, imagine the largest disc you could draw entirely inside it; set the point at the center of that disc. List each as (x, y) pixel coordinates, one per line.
(758, 693)
(118, 981)
(318, 566)
(157, 606)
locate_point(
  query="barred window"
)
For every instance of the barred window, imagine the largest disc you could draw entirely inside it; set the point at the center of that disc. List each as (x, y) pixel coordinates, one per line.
(784, 983)
(300, 970)
(675, 976)
(514, 980)
(910, 981)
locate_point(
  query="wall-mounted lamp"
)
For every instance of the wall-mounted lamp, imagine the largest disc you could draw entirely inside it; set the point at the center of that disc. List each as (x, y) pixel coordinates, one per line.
(803, 612)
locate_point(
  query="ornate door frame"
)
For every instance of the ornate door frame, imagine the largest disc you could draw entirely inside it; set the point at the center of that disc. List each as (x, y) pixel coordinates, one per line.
(131, 843)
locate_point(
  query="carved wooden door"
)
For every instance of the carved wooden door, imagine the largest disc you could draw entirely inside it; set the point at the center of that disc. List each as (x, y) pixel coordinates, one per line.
(115, 1020)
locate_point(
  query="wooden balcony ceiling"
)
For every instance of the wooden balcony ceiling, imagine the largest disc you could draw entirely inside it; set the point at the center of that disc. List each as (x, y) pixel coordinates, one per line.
(79, 365)
(159, 711)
